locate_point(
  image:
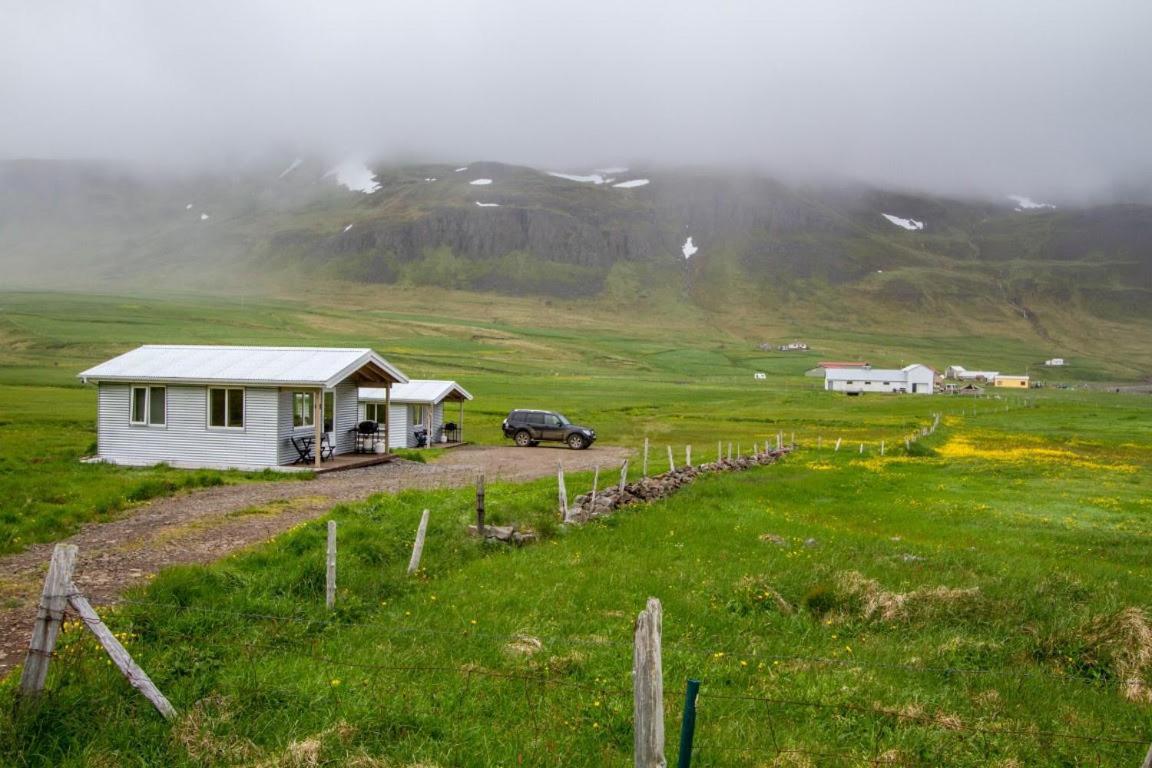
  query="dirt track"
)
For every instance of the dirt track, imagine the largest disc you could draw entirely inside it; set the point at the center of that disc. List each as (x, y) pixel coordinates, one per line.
(202, 526)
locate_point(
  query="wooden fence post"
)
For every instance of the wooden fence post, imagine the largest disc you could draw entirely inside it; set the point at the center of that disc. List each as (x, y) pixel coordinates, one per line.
(137, 677)
(418, 545)
(330, 590)
(671, 462)
(838, 444)
(729, 451)
(648, 688)
(480, 506)
(861, 447)
(820, 442)
(881, 447)
(688, 455)
(562, 491)
(644, 473)
(793, 443)
(719, 451)
(49, 617)
(595, 485)
(623, 476)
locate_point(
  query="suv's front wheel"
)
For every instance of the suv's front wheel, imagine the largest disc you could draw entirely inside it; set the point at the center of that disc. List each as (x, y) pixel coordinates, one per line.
(523, 438)
(575, 441)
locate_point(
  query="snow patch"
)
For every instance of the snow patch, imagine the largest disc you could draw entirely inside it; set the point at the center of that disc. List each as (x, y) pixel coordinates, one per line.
(909, 224)
(689, 248)
(594, 178)
(487, 205)
(347, 227)
(480, 182)
(614, 169)
(432, 179)
(356, 176)
(203, 217)
(295, 164)
(1027, 203)
(631, 184)
(461, 170)
(188, 207)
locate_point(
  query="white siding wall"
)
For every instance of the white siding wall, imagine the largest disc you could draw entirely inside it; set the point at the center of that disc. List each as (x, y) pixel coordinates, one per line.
(399, 436)
(437, 421)
(186, 440)
(345, 418)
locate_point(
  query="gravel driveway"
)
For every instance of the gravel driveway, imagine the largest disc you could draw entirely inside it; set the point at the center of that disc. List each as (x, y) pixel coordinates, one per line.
(202, 526)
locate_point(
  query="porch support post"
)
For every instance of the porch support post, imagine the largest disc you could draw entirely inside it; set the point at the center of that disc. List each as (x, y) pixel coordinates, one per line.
(460, 428)
(387, 416)
(317, 424)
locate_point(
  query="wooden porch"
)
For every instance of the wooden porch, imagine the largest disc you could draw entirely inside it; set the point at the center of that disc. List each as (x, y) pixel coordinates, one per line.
(342, 461)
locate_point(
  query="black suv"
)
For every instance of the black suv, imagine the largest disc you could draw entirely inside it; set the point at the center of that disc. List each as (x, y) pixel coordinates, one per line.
(530, 427)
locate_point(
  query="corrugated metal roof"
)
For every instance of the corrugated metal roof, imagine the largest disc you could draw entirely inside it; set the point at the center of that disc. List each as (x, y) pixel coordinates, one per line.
(430, 391)
(871, 374)
(277, 366)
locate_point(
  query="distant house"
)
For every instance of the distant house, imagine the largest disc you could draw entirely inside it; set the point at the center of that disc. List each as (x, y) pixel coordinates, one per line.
(913, 379)
(759, 375)
(1005, 380)
(230, 407)
(959, 373)
(795, 346)
(1055, 362)
(415, 405)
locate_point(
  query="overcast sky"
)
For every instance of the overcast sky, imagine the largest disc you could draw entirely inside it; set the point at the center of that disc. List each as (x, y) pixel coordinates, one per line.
(1052, 97)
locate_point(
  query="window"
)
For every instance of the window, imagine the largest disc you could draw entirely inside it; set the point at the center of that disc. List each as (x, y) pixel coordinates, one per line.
(551, 421)
(375, 412)
(302, 409)
(149, 406)
(302, 403)
(415, 415)
(226, 408)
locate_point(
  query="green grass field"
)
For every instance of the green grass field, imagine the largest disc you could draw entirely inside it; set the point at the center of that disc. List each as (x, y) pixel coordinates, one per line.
(982, 602)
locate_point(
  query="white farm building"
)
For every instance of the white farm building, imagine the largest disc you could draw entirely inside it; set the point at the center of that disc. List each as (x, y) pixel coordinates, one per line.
(233, 407)
(913, 379)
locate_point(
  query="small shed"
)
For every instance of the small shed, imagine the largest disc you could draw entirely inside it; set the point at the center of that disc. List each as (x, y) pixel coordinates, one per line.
(223, 407)
(916, 379)
(419, 403)
(1007, 380)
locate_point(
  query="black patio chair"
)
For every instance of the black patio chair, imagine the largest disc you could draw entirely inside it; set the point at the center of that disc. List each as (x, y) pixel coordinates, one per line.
(326, 447)
(303, 449)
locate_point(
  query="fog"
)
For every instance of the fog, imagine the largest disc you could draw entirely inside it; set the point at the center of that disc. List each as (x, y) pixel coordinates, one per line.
(1040, 98)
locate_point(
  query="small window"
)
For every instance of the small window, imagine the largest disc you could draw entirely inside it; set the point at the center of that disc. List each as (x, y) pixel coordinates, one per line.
(375, 412)
(226, 408)
(849, 382)
(415, 415)
(302, 409)
(550, 420)
(887, 383)
(139, 405)
(329, 410)
(536, 418)
(149, 406)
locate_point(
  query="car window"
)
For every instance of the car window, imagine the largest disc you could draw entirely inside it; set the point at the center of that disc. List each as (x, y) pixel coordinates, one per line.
(563, 421)
(536, 418)
(551, 420)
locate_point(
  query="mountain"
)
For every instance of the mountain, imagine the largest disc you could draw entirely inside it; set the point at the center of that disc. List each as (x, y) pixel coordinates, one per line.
(617, 233)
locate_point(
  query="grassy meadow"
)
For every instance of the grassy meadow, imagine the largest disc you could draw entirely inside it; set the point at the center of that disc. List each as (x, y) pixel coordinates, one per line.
(980, 600)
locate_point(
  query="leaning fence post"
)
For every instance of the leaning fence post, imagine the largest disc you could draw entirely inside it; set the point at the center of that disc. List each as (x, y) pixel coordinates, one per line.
(418, 545)
(838, 444)
(644, 473)
(49, 617)
(330, 590)
(480, 506)
(881, 447)
(137, 677)
(688, 455)
(562, 491)
(1147, 759)
(648, 688)
(861, 447)
(671, 462)
(688, 725)
(623, 476)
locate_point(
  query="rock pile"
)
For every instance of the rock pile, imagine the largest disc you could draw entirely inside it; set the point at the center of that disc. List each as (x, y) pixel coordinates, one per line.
(505, 533)
(656, 487)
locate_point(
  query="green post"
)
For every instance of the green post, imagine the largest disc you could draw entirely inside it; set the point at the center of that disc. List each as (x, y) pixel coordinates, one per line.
(688, 724)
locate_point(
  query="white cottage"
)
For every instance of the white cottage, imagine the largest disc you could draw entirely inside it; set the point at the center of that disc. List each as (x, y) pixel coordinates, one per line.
(414, 405)
(915, 379)
(232, 407)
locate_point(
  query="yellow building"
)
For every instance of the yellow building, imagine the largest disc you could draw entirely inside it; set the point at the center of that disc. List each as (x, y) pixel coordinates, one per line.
(1016, 382)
